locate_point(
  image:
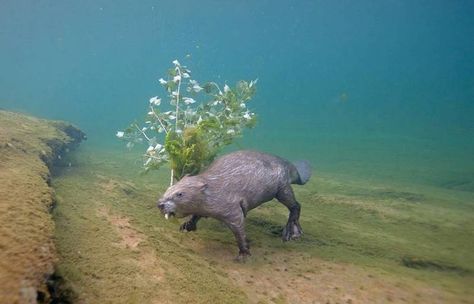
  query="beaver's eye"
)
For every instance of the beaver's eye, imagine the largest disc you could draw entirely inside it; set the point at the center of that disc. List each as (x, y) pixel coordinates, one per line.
(179, 194)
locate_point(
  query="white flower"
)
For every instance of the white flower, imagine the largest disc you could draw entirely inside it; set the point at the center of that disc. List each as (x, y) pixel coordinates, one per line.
(200, 119)
(150, 148)
(186, 75)
(176, 78)
(230, 131)
(197, 88)
(162, 81)
(144, 129)
(247, 116)
(226, 88)
(150, 113)
(179, 131)
(158, 147)
(188, 100)
(253, 82)
(176, 62)
(155, 101)
(172, 117)
(120, 134)
(242, 105)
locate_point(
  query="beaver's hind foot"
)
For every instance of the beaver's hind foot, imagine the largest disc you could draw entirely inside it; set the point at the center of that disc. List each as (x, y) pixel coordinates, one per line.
(243, 256)
(292, 231)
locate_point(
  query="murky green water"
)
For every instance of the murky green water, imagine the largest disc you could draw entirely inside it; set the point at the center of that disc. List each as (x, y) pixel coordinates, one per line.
(381, 91)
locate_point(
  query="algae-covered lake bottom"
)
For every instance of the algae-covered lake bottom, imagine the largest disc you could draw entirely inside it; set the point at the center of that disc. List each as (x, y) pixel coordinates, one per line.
(377, 95)
(365, 239)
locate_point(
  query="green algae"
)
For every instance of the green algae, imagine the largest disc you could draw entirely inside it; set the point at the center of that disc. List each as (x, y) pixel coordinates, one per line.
(93, 261)
(373, 227)
(28, 148)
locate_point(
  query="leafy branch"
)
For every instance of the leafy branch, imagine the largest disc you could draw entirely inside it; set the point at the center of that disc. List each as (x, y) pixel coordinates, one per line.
(196, 124)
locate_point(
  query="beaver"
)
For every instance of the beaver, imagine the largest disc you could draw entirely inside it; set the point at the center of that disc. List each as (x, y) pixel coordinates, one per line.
(233, 185)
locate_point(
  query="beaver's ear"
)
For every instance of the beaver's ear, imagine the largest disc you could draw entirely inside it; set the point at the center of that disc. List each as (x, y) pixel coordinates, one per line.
(203, 187)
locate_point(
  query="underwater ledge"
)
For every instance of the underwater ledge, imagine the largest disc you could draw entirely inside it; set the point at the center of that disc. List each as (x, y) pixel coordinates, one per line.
(29, 148)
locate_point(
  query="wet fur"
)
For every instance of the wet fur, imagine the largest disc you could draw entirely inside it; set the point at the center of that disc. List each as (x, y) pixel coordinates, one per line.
(232, 186)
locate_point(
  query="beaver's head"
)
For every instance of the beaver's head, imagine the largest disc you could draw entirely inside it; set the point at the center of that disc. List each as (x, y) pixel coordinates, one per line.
(183, 198)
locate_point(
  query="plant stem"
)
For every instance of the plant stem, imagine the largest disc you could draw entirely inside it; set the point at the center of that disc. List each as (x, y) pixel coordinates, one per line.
(177, 98)
(177, 115)
(144, 134)
(159, 120)
(217, 86)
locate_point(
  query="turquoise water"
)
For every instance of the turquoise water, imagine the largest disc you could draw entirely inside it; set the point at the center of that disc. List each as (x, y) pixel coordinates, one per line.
(381, 90)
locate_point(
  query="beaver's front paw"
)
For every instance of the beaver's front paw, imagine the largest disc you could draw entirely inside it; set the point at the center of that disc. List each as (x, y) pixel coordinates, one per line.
(188, 226)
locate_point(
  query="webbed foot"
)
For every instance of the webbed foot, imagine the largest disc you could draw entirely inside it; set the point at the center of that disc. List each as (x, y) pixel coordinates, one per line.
(243, 256)
(292, 231)
(188, 226)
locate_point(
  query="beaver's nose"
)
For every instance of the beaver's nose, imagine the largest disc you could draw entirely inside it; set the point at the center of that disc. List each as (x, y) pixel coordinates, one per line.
(160, 205)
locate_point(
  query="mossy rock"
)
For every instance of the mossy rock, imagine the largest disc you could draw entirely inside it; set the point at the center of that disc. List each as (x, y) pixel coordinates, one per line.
(29, 147)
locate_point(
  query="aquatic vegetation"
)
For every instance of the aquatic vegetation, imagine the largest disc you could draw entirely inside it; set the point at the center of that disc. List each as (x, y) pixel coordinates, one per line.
(200, 120)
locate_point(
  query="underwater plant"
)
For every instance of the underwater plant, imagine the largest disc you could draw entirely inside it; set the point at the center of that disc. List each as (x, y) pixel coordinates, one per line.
(197, 123)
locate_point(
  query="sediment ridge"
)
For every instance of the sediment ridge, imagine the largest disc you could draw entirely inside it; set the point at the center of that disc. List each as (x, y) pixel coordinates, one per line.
(29, 148)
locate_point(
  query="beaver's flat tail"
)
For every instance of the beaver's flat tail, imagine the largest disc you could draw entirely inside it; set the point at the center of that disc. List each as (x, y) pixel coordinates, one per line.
(304, 171)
